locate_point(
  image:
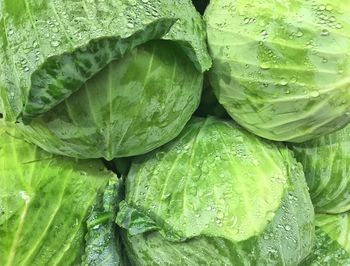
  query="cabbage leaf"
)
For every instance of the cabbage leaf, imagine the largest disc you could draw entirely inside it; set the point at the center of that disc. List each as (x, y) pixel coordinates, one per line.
(44, 203)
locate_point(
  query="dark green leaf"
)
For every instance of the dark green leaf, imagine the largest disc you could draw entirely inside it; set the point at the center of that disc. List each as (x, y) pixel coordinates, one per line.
(103, 247)
(49, 49)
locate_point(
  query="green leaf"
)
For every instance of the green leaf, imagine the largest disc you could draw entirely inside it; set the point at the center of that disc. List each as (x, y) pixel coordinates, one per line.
(44, 202)
(175, 167)
(332, 241)
(103, 245)
(189, 31)
(135, 221)
(337, 227)
(216, 181)
(102, 84)
(51, 48)
(135, 105)
(281, 68)
(326, 163)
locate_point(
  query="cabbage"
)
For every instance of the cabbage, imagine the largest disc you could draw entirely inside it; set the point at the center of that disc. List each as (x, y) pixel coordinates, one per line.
(109, 79)
(102, 241)
(132, 107)
(326, 163)
(217, 195)
(45, 201)
(186, 109)
(281, 68)
(332, 242)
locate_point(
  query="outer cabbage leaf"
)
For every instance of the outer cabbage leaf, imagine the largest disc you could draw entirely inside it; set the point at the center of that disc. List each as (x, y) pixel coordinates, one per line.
(332, 242)
(326, 163)
(337, 227)
(219, 193)
(281, 68)
(137, 104)
(104, 89)
(103, 245)
(44, 202)
(51, 48)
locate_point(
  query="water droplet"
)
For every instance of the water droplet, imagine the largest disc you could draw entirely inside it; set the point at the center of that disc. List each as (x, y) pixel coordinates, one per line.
(55, 43)
(264, 33)
(309, 44)
(130, 25)
(299, 34)
(338, 26)
(315, 94)
(284, 82)
(324, 32)
(329, 8)
(10, 32)
(54, 29)
(332, 19)
(265, 66)
(322, 7)
(287, 227)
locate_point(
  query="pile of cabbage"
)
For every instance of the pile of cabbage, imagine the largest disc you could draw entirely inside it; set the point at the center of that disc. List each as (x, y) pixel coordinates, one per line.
(139, 132)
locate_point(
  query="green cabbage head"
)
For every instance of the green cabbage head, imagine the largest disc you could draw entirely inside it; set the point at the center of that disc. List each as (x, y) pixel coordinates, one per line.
(281, 68)
(326, 162)
(217, 195)
(332, 245)
(45, 202)
(113, 79)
